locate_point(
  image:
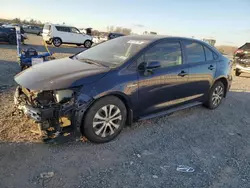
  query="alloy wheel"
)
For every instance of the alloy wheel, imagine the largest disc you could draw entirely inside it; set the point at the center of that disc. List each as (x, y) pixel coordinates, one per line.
(57, 42)
(87, 44)
(107, 120)
(217, 95)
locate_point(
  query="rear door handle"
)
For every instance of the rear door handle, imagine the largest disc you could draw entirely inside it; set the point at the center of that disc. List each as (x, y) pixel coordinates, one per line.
(182, 73)
(211, 67)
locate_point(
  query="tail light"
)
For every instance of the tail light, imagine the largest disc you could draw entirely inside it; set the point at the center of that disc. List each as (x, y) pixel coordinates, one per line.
(239, 51)
(49, 33)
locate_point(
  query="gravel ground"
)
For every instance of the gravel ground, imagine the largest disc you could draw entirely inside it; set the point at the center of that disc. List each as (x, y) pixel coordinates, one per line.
(214, 143)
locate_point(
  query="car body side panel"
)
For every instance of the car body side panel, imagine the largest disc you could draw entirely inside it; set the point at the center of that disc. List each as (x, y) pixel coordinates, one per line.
(224, 68)
(122, 83)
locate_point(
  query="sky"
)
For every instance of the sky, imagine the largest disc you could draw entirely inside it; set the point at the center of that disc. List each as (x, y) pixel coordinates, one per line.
(227, 21)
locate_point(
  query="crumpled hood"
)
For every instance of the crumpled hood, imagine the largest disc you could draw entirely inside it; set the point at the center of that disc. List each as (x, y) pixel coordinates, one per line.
(60, 74)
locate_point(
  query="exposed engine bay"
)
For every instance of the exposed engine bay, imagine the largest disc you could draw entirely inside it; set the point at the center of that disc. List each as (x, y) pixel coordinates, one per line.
(53, 111)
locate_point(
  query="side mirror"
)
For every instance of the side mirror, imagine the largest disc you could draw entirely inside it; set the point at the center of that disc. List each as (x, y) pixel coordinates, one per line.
(153, 65)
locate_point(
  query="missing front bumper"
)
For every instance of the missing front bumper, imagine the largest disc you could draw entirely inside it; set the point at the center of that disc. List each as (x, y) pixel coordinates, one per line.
(36, 114)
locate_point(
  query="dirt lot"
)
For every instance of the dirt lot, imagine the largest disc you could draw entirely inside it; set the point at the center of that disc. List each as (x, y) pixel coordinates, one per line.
(215, 143)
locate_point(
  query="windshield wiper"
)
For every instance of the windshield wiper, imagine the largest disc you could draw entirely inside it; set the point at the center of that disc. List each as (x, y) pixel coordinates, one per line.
(91, 61)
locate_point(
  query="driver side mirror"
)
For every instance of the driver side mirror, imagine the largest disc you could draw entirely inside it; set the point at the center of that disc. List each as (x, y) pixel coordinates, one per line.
(149, 66)
(153, 65)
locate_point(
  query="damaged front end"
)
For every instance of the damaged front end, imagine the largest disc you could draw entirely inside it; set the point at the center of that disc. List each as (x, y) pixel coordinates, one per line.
(58, 113)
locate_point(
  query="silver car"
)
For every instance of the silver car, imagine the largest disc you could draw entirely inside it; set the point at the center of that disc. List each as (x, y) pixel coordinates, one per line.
(33, 29)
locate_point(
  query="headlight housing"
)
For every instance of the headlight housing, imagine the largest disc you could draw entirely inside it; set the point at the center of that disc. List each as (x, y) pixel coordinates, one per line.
(63, 95)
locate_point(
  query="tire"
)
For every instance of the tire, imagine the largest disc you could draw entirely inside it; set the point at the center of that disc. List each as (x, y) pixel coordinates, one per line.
(98, 128)
(216, 94)
(38, 34)
(87, 44)
(12, 39)
(57, 42)
(237, 72)
(47, 42)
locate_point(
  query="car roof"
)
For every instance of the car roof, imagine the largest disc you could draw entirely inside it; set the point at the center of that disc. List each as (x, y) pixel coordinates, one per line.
(158, 37)
(62, 25)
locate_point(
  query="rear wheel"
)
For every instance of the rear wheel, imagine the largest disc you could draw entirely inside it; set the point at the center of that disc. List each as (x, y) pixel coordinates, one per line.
(104, 119)
(237, 72)
(57, 42)
(48, 42)
(12, 39)
(87, 44)
(216, 95)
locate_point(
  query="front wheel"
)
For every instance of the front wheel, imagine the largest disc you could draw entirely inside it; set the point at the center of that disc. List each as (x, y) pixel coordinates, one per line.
(104, 119)
(216, 95)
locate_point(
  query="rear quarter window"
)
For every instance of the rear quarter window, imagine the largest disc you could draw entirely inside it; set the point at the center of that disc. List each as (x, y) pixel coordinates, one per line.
(209, 54)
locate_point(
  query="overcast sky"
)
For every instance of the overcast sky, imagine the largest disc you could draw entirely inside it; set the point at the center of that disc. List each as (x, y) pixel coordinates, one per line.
(228, 21)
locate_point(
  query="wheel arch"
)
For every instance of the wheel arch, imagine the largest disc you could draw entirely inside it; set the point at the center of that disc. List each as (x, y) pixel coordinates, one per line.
(57, 38)
(123, 97)
(225, 83)
(120, 96)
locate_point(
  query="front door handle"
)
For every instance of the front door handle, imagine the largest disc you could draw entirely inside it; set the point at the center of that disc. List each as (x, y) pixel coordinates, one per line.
(183, 73)
(211, 67)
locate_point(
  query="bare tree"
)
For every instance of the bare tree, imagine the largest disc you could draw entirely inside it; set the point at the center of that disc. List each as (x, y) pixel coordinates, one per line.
(119, 29)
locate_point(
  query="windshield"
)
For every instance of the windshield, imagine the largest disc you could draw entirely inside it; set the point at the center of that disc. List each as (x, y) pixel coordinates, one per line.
(114, 52)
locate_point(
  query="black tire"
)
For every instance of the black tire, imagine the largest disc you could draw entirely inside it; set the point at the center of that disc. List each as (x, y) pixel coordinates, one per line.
(38, 34)
(210, 102)
(57, 42)
(237, 72)
(90, 131)
(48, 42)
(87, 44)
(12, 39)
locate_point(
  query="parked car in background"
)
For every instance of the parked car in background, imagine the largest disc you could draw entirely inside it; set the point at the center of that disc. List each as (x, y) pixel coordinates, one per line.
(33, 29)
(242, 59)
(24, 35)
(114, 35)
(9, 35)
(62, 34)
(101, 89)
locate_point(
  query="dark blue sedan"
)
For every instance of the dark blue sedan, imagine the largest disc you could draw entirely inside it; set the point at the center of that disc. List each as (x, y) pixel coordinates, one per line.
(98, 91)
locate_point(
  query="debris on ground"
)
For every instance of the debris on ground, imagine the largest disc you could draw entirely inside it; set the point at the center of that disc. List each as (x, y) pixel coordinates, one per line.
(155, 177)
(184, 168)
(47, 175)
(83, 139)
(14, 126)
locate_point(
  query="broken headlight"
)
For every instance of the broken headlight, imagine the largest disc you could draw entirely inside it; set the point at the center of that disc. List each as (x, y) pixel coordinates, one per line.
(63, 96)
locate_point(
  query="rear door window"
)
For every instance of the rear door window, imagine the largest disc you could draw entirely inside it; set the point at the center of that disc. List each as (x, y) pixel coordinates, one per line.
(63, 29)
(194, 51)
